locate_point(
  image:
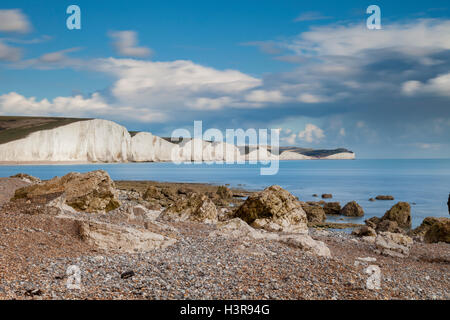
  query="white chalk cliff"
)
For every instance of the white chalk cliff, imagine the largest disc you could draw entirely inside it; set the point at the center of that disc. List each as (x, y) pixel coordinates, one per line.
(106, 141)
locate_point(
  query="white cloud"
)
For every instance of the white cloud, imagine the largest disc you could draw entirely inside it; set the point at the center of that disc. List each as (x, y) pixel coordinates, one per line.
(415, 38)
(311, 98)
(439, 85)
(265, 96)
(311, 134)
(53, 60)
(8, 53)
(77, 106)
(125, 43)
(181, 84)
(14, 21)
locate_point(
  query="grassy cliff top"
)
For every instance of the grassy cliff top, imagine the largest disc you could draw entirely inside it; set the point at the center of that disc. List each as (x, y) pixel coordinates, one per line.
(15, 128)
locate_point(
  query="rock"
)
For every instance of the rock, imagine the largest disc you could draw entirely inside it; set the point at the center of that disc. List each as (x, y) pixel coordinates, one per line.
(153, 193)
(26, 178)
(388, 226)
(315, 195)
(393, 244)
(352, 209)
(327, 196)
(332, 208)
(364, 231)
(448, 203)
(439, 232)
(239, 229)
(141, 213)
(372, 222)
(371, 199)
(384, 197)
(224, 193)
(314, 213)
(426, 224)
(400, 213)
(306, 243)
(90, 192)
(185, 191)
(274, 209)
(108, 237)
(127, 274)
(196, 207)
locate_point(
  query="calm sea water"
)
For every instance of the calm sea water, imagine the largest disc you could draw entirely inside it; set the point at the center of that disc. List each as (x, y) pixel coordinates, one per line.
(423, 182)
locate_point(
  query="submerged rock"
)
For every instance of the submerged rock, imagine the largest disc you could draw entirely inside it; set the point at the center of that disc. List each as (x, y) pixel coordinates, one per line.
(274, 209)
(89, 192)
(352, 209)
(384, 197)
(327, 196)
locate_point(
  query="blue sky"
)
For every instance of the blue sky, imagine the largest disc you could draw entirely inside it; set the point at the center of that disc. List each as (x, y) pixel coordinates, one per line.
(311, 68)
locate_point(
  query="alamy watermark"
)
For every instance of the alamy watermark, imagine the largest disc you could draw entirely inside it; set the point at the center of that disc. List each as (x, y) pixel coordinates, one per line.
(235, 146)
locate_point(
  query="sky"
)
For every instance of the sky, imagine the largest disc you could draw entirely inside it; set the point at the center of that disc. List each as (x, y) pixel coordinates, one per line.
(309, 68)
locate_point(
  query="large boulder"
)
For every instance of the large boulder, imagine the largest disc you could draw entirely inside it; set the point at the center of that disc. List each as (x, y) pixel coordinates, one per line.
(352, 209)
(314, 213)
(400, 213)
(26, 178)
(332, 208)
(424, 227)
(108, 237)
(89, 192)
(439, 231)
(393, 244)
(196, 207)
(274, 209)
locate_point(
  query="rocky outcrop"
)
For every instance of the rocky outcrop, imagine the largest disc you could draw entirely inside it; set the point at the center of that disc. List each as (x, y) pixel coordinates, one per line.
(400, 213)
(332, 208)
(26, 178)
(239, 229)
(314, 213)
(393, 244)
(352, 209)
(224, 193)
(438, 232)
(196, 207)
(108, 237)
(274, 209)
(89, 192)
(424, 227)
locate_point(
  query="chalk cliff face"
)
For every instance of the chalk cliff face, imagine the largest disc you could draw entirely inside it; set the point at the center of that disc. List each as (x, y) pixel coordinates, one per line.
(105, 141)
(92, 140)
(341, 156)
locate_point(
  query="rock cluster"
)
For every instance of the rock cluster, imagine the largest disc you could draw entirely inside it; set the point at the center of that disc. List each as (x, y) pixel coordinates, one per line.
(89, 192)
(274, 209)
(195, 207)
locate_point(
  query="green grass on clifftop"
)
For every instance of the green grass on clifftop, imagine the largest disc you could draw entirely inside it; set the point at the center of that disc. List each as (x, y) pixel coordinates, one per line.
(15, 128)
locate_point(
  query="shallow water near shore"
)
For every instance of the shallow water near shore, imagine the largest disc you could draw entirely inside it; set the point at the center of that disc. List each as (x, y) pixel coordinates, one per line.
(423, 182)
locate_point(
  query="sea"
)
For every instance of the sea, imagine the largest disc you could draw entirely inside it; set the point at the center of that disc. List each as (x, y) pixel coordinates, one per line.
(424, 183)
